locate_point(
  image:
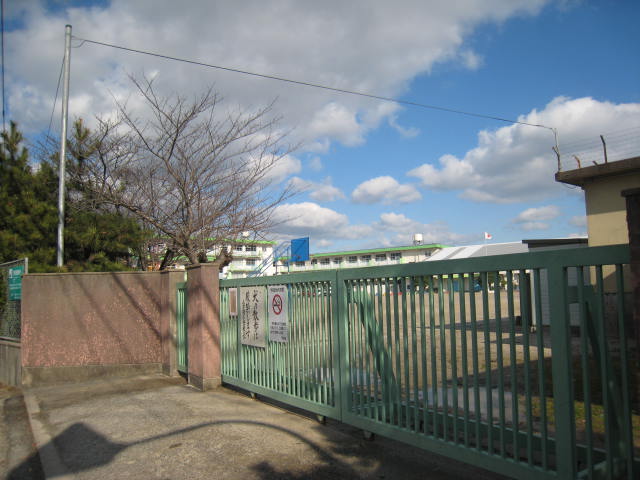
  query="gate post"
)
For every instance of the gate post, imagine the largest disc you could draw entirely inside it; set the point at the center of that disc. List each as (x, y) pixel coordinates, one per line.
(203, 307)
(632, 197)
(170, 279)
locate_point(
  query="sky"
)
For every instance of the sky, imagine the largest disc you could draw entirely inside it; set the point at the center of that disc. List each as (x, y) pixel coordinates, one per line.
(370, 173)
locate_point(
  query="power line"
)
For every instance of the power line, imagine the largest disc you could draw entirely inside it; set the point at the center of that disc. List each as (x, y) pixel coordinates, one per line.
(4, 125)
(313, 85)
(55, 100)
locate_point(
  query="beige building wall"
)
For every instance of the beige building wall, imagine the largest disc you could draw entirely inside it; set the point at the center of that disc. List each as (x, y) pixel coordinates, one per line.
(607, 218)
(606, 209)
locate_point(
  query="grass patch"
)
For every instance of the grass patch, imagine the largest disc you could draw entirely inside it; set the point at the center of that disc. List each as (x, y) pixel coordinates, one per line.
(597, 422)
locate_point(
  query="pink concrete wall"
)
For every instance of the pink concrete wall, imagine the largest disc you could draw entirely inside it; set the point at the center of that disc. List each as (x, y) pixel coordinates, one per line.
(203, 299)
(91, 319)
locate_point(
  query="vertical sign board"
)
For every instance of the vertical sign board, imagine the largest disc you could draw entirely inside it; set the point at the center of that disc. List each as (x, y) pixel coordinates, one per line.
(278, 307)
(252, 316)
(15, 282)
(233, 302)
(300, 249)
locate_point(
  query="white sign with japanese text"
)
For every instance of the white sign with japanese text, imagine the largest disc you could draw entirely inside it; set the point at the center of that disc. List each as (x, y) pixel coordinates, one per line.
(278, 307)
(252, 316)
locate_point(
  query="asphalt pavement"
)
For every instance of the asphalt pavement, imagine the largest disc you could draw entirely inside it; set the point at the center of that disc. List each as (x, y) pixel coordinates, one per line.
(156, 427)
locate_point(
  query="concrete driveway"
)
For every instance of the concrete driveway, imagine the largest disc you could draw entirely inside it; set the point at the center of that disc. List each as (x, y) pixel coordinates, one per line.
(156, 427)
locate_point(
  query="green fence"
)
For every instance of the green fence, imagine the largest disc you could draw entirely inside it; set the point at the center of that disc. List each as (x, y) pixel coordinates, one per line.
(518, 363)
(182, 349)
(11, 297)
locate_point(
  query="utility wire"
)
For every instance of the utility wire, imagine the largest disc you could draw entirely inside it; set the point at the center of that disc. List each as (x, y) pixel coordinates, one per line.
(55, 100)
(4, 125)
(313, 85)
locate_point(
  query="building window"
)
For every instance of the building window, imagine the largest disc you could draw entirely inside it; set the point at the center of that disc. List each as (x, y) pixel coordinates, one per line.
(325, 261)
(353, 259)
(314, 261)
(365, 258)
(299, 264)
(250, 248)
(395, 256)
(337, 260)
(381, 257)
(238, 248)
(250, 262)
(264, 249)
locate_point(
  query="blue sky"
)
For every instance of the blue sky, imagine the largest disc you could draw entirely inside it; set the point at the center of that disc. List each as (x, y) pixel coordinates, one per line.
(373, 173)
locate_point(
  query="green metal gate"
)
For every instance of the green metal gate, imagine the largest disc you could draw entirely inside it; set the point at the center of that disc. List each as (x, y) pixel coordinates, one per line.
(182, 346)
(301, 371)
(460, 358)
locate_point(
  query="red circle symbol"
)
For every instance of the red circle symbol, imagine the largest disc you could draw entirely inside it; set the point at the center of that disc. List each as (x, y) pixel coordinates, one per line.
(276, 304)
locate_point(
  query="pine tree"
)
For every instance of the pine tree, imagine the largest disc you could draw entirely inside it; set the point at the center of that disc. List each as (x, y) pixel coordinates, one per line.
(97, 237)
(27, 215)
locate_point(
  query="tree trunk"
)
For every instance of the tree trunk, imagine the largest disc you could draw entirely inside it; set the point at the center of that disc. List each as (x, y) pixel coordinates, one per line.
(168, 257)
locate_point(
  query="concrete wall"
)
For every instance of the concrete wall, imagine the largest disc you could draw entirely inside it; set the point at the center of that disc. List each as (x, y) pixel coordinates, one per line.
(10, 372)
(77, 326)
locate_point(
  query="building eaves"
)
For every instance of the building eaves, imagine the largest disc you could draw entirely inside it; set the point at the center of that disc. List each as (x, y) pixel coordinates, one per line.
(580, 176)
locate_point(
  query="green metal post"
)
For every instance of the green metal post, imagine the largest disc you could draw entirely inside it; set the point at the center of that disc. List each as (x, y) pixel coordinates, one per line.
(561, 368)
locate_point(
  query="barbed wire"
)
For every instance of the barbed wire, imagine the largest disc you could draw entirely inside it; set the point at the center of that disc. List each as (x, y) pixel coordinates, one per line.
(618, 145)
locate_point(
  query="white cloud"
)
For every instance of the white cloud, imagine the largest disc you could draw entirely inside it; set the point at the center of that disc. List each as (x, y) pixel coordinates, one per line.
(385, 189)
(315, 164)
(326, 228)
(578, 221)
(536, 218)
(339, 122)
(308, 218)
(320, 192)
(449, 176)
(471, 59)
(396, 221)
(283, 167)
(407, 132)
(530, 226)
(398, 229)
(326, 193)
(377, 47)
(516, 163)
(548, 212)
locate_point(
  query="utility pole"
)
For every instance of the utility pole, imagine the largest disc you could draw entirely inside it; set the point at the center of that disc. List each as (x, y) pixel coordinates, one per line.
(63, 142)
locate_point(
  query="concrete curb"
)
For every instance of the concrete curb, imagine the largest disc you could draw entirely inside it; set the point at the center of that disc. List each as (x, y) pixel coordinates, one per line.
(51, 463)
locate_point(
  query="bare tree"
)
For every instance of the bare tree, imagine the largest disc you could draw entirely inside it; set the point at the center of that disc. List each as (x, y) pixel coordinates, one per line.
(198, 175)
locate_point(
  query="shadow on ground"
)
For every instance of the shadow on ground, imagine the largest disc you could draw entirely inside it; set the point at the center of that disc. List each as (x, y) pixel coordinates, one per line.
(339, 454)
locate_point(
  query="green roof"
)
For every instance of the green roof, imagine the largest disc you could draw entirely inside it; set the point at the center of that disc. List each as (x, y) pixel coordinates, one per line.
(252, 242)
(378, 250)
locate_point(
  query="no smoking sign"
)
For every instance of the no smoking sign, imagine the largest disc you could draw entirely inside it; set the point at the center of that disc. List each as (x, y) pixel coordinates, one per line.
(276, 304)
(278, 313)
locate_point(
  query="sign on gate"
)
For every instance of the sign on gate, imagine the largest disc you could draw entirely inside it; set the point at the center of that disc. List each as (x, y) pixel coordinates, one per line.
(252, 316)
(15, 282)
(278, 313)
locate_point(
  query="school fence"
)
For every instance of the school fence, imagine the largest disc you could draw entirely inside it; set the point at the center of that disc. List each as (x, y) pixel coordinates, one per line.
(522, 364)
